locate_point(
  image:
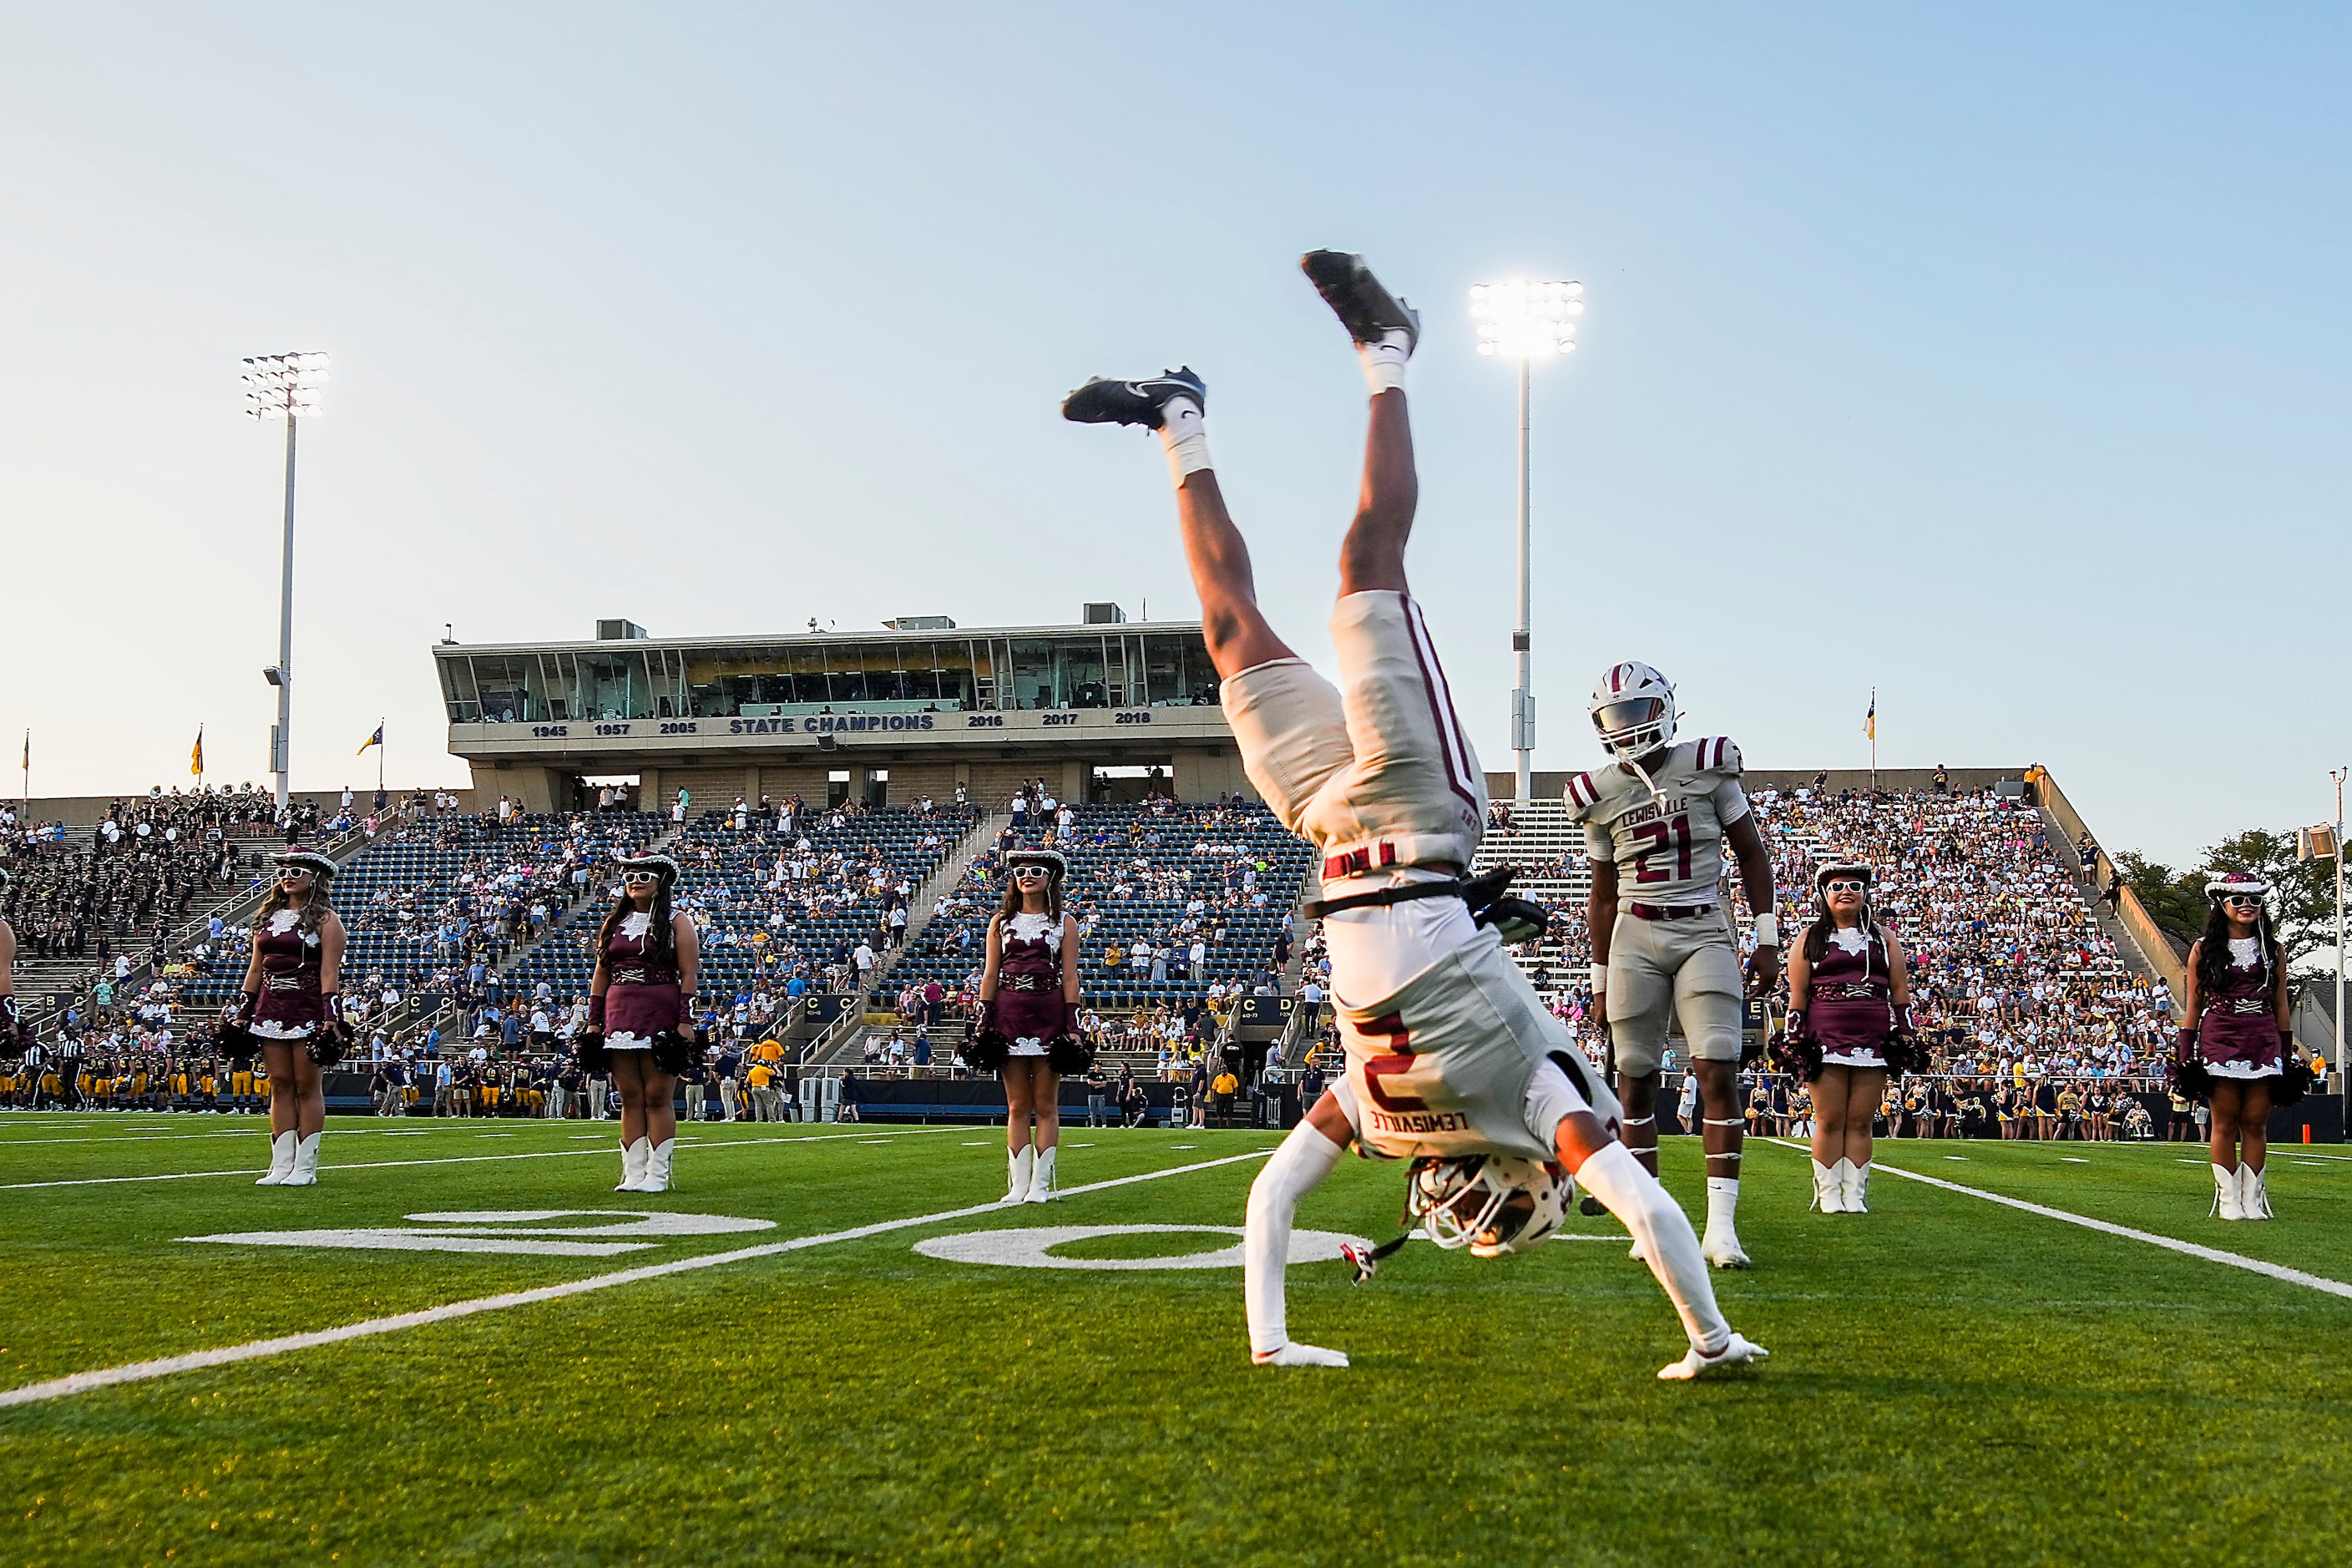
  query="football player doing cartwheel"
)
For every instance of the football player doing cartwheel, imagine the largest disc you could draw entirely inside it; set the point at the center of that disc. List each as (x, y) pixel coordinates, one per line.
(1655, 821)
(1452, 1061)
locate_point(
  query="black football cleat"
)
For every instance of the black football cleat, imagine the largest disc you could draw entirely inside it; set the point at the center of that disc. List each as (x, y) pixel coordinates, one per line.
(1103, 402)
(1361, 301)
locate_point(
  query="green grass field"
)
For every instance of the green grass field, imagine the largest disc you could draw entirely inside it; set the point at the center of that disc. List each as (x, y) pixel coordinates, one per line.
(1951, 1380)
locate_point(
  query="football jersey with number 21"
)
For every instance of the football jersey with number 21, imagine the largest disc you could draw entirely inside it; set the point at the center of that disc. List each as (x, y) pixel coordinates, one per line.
(1667, 847)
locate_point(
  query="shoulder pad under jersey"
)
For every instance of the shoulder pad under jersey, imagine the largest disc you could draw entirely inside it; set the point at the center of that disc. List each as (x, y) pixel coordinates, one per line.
(1715, 754)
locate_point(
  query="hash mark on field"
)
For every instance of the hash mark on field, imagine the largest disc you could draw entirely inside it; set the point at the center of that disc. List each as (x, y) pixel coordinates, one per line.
(1962, 1158)
(2072, 1160)
(137, 1371)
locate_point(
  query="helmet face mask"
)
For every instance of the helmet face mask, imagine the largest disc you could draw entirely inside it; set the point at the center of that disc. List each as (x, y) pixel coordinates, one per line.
(1491, 1204)
(1632, 710)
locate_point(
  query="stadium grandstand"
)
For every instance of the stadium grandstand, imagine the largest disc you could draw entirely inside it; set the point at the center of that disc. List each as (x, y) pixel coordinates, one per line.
(841, 803)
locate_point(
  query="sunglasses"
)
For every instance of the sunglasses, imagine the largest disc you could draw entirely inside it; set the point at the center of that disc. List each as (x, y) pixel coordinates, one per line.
(1843, 887)
(1040, 872)
(634, 878)
(2243, 900)
(292, 873)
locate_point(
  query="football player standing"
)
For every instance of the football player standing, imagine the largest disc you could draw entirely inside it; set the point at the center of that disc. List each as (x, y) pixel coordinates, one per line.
(1656, 822)
(1451, 1060)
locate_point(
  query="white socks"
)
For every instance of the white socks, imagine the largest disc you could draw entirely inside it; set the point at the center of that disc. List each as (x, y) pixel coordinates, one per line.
(1185, 435)
(1295, 1169)
(1722, 1204)
(1665, 1237)
(1384, 362)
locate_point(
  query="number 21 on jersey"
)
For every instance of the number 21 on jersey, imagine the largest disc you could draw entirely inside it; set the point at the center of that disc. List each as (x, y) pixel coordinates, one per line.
(1673, 835)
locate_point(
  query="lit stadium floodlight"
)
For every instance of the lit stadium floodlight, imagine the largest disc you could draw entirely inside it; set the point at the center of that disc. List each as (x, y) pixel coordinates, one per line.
(1521, 320)
(1526, 321)
(280, 385)
(284, 386)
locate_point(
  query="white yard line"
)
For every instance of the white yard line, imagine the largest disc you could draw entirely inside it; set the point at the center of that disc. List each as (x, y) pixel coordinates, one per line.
(461, 1159)
(137, 1371)
(2186, 1248)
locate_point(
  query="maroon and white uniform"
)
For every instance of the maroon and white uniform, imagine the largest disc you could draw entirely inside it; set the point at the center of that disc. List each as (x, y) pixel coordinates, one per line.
(1851, 1006)
(292, 1004)
(642, 997)
(2237, 1034)
(1030, 1008)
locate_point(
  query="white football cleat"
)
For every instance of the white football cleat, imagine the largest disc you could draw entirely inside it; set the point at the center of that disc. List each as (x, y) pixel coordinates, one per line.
(1724, 1251)
(1635, 1252)
(1295, 1354)
(1739, 1353)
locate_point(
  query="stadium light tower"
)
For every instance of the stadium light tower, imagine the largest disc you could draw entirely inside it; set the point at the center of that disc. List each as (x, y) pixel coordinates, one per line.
(284, 386)
(1526, 321)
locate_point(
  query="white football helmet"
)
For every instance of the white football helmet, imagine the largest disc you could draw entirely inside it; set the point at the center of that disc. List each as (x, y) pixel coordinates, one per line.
(1491, 1204)
(1634, 710)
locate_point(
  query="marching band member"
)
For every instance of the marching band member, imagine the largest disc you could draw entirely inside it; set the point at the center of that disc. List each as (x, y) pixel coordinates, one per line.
(2238, 1050)
(640, 1014)
(288, 1007)
(1849, 1026)
(1029, 1005)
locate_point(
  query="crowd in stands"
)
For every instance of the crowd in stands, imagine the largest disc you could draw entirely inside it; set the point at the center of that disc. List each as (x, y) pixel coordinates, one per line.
(2036, 1027)
(1182, 909)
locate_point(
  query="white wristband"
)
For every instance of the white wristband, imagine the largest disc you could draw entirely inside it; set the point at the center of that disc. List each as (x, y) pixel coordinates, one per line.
(1600, 975)
(1768, 930)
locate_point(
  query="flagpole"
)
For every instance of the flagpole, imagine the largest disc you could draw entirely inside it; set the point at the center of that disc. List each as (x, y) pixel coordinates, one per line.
(1874, 739)
(379, 759)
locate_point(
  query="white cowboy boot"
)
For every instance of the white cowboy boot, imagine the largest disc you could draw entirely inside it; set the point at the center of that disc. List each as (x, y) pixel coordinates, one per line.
(281, 1160)
(2225, 1193)
(1857, 1186)
(658, 1167)
(634, 1157)
(2253, 1194)
(1829, 1189)
(305, 1173)
(1023, 1166)
(1041, 1179)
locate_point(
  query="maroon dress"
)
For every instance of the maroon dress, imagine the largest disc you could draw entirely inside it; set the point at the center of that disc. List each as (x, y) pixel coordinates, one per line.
(1030, 1010)
(1851, 1007)
(292, 1004)
(2238, 1035)
(642, 998)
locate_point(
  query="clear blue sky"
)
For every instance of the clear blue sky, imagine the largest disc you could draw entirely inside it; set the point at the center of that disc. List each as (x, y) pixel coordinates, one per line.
(1995, 358)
